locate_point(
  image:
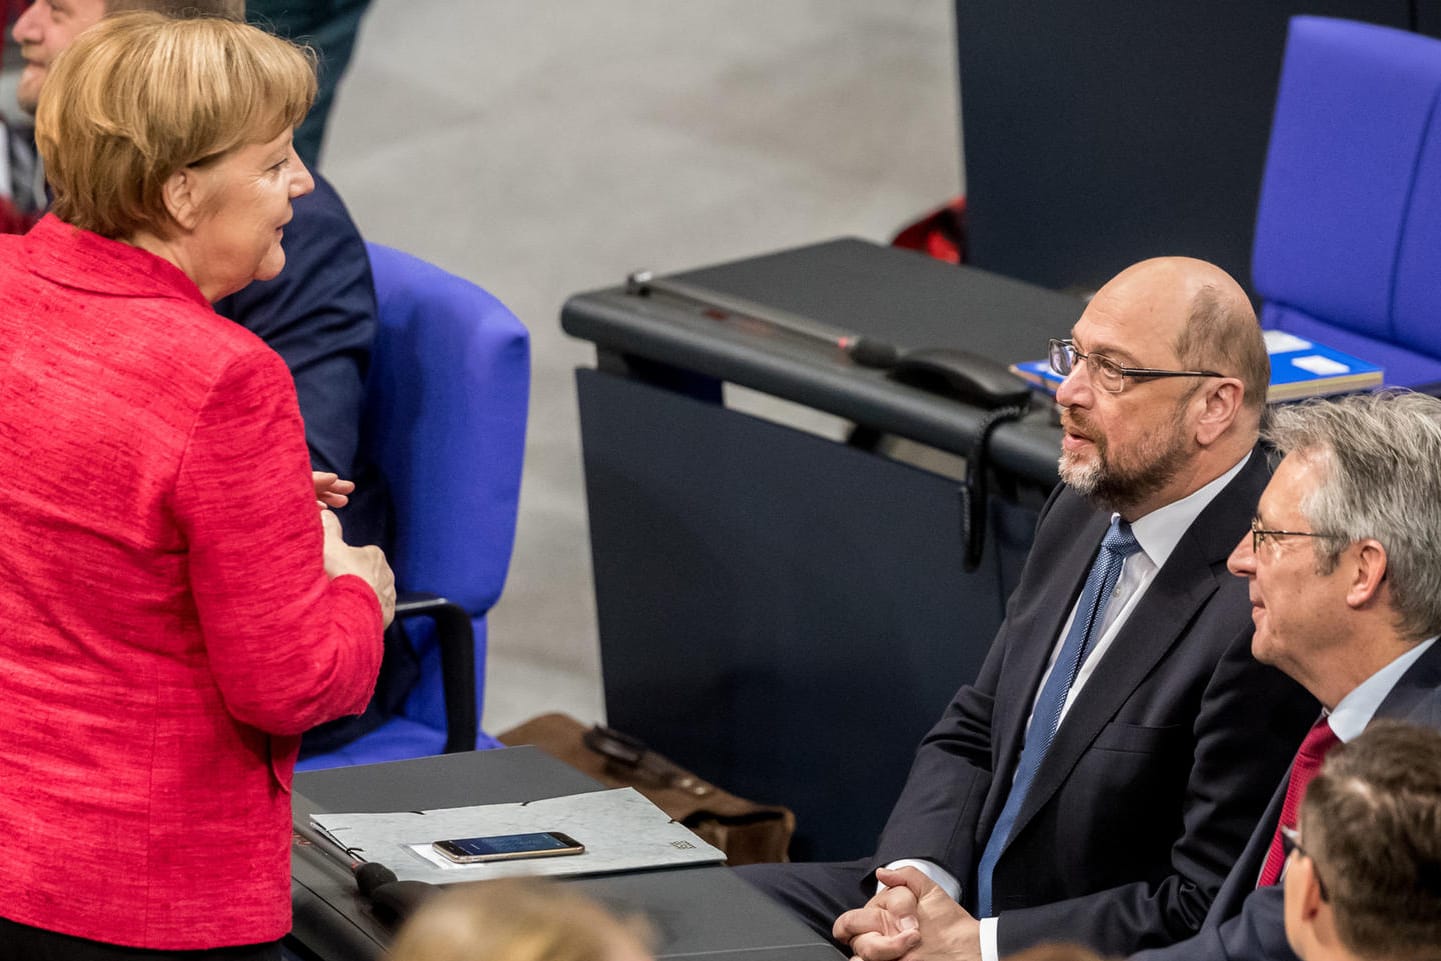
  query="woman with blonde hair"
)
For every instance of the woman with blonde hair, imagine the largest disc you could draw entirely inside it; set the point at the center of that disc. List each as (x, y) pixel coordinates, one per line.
(517, 920)
(175, 609)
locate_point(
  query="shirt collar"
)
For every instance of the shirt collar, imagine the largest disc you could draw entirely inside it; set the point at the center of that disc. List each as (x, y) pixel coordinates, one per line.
(1161, 530)
(1355, 710)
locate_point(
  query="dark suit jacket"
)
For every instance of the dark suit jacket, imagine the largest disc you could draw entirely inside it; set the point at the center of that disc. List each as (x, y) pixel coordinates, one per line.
(319, 315)
(1246, 922)
(1158, 771)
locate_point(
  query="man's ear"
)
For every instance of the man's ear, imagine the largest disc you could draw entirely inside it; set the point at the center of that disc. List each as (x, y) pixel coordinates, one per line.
(1369, 570)
(1221, 401)
(182, 193)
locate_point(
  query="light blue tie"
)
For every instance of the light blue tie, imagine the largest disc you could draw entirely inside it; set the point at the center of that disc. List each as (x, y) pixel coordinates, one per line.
(1118, 544)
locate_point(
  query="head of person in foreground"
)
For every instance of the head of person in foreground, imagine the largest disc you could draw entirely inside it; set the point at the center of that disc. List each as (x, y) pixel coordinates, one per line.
(1363, 882)
(518, 920)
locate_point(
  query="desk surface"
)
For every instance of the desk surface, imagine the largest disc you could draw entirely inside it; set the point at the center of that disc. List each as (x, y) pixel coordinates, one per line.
(701, 911)
(858, 287)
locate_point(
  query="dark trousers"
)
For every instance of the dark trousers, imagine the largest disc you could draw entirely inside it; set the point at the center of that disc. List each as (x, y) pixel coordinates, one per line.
(20, 942)
(815, 893)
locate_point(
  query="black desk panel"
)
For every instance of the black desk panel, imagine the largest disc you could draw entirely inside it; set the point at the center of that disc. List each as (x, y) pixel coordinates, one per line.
(784, 614)
(700, 911)
(775, 610)
(857, 287)
(901, 296)
(1428, 17)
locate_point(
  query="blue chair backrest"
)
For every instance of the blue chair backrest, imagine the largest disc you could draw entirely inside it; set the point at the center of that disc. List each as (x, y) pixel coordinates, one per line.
(1348, 227)
(447, 399)
(446, 403)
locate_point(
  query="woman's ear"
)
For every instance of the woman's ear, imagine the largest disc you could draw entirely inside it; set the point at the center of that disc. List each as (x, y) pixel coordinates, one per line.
(182, 193)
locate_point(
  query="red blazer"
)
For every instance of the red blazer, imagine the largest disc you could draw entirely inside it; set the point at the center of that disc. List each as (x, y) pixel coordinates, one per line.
(167, 629)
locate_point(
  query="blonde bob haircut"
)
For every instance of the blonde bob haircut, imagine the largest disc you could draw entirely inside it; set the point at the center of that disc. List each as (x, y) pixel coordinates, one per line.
(140, 96)
(518, 919)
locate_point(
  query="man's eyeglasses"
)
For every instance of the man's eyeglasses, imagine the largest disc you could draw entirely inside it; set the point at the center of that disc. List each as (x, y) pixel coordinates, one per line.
(1291, 841)
(1259, 535)
(1105, 372)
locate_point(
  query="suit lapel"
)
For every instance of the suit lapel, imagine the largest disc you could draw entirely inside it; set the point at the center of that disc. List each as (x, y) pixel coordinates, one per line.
(1418, 685)
(1421, 685)
(1175, 595)
(1072, 562)
(1241, 880)
(1178, 591)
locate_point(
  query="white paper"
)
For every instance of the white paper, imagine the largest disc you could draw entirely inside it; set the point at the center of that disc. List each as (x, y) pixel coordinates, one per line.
(1280, 342)
(1320, 366)
(621, 830)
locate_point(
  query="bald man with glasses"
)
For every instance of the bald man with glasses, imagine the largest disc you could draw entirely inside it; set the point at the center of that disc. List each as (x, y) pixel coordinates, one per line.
(1096, 781)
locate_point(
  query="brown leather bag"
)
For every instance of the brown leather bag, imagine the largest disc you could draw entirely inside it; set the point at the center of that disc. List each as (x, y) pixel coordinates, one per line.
(747, 832)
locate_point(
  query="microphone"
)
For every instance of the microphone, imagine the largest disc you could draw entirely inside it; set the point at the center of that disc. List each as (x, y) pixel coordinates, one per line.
(863, 351)
(391, 900)
(869, 352)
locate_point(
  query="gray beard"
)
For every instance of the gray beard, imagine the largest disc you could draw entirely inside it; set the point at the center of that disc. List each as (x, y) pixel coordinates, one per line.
(1114, 488)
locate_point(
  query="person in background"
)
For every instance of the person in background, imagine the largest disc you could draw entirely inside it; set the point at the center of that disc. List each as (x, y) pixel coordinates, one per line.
(176, 609)
(331, 28)
(1363, 881)
(518, 920)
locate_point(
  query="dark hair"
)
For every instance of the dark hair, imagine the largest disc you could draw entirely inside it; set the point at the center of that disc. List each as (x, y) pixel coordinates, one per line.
(1221, 333)
(1372, 821)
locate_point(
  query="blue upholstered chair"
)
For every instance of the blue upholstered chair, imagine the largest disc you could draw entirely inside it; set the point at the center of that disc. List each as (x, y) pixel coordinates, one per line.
(446, 403)
(1348, 230)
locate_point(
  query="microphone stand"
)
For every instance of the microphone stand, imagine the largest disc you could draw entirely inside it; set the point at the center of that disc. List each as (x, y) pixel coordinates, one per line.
(391, 900)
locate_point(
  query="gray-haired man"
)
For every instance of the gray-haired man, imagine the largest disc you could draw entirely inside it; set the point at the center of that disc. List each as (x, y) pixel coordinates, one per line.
(1346, 594)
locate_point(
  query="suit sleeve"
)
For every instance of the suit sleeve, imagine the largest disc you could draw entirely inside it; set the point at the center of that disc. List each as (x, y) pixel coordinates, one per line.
(1251, 719)
(1258, 933)
(935, 818)
(287, 646)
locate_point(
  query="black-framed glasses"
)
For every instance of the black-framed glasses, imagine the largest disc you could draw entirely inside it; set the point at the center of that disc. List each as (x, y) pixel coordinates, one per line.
(1104, 371)
(1259, 534)
(1291, 841)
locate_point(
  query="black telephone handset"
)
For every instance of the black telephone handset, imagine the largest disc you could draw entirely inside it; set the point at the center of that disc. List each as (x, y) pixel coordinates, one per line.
(962, 375)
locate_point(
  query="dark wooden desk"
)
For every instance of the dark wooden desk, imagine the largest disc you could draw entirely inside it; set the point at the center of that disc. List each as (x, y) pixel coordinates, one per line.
(784, 614)
(696, 911)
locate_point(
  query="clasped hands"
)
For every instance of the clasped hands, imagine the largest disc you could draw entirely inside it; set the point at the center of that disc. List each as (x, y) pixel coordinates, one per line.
(913, 919)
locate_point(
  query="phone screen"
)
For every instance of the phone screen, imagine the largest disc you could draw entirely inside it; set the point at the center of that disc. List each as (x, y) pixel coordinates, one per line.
(500, 847)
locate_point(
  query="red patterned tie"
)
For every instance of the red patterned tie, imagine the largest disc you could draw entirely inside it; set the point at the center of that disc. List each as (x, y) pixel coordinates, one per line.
(1317, 742)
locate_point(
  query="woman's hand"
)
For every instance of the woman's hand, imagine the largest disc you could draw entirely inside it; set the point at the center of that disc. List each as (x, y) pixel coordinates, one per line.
(367, 563)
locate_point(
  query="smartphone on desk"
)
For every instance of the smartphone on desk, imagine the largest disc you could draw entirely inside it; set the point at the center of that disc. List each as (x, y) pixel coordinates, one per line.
(508, 847)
